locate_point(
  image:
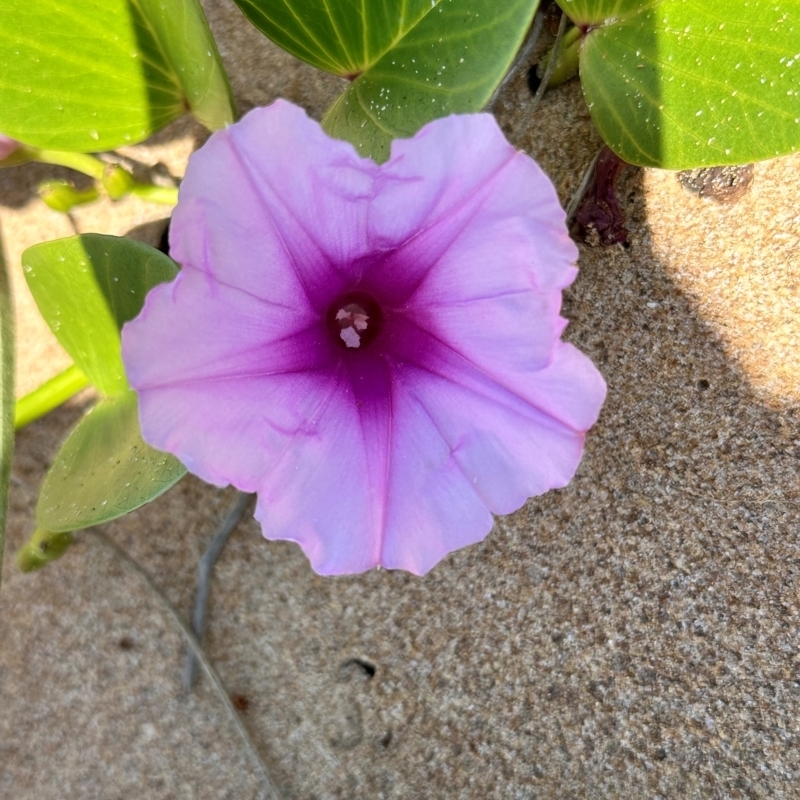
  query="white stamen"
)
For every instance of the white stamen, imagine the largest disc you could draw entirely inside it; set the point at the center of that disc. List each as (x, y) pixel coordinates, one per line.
(350, 337)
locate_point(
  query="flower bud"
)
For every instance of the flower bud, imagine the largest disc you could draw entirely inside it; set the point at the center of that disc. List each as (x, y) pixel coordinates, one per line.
(62, 196)
(117, 181)
(43, 547)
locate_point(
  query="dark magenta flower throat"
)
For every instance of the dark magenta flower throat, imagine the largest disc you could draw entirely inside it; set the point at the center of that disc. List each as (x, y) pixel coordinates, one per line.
(354, 320)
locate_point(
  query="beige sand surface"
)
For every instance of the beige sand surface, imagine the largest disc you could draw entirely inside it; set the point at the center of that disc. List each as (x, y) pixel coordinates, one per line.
(634, 635)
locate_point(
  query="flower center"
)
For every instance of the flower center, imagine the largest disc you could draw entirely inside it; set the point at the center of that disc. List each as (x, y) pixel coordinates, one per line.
(354, 319)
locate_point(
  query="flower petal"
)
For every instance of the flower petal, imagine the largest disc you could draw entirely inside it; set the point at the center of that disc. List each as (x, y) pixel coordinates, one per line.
(458, 183)
(223, 377)
(242, 190)
(376, 485)
(232, 431)
(568, 387)
(431, 506)
(321, 492)
(508, 448)
(465, 403)
(202, 329)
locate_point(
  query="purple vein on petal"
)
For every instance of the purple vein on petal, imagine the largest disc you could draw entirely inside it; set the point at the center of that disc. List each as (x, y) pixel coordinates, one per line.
(455, 232)
(463, 201)
(245, 161)
(202, 202)
(466, 301)
(385, 481)
(246, 168)
(144, 386)
(421, 403)
(482, 371)
(232, 377)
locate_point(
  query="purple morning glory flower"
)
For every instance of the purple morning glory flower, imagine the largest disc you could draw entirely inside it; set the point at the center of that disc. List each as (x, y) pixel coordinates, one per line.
(375, 350)
(7, 146)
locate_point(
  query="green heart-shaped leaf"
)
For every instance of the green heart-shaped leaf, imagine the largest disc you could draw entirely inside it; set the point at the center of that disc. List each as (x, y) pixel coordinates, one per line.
(411, 60)
(86, 288)
(182, 33)
(6, 396)
(104, 470)
(340, 36)
(680, 84)
(449, 62)
(98, 74)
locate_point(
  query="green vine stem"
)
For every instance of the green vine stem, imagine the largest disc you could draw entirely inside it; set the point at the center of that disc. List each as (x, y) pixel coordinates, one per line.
(80, 162)
(6, 394)
(49, 396)
(566, 63)
(163, 195)
(92, 166)
(204, 570)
